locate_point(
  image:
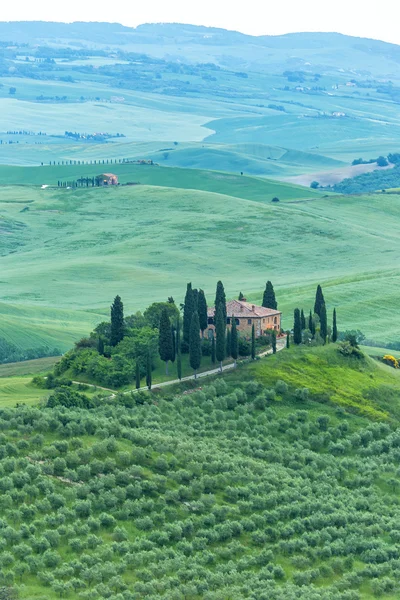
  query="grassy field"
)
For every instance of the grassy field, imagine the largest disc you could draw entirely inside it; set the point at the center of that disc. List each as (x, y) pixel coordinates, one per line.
(56, 252)
(20, 390)
(29, 367)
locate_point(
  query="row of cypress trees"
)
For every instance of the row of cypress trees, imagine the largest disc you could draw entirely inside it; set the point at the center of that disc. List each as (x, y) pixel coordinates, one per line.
(320, 315)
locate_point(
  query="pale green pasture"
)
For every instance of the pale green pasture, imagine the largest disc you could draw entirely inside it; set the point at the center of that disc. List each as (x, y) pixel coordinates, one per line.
(76, 250)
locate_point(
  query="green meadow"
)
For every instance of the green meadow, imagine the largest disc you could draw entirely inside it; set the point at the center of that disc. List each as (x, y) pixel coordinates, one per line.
(67, 253)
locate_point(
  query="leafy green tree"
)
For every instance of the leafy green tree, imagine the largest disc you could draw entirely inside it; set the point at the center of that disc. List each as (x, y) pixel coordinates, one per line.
(303, 320)
(314, 185)
(319, 301)
(253, 342)
(334, 327)
(213, 357)
(195, 343)
(269, 300)
(137, 374)
(148, 370)
(165, 340)
(152, 314)
(241, 296)
(187, 316)
(323, 323)
(220, 298)
(288, 340)
(220, 327)
(297, 339)
(100, 345)
(117, 321)
(202, 310)
(234, 352)
(273, 341)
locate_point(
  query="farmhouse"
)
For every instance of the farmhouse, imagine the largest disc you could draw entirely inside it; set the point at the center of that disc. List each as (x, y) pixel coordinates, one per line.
(107, 179)
(247, 315)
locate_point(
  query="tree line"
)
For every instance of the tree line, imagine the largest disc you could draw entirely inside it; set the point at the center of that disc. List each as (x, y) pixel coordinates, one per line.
(315, 326)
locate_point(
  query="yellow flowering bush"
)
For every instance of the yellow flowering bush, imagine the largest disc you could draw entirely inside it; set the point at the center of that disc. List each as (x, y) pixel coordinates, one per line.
(391, 361)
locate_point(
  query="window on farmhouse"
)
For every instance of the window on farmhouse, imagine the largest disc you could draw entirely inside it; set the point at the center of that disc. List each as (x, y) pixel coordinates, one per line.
(248, 321)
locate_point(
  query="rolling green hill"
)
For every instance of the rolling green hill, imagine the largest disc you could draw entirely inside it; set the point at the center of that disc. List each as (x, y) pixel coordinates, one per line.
(67, 253)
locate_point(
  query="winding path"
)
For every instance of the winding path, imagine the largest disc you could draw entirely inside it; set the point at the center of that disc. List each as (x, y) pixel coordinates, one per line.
(280, 345)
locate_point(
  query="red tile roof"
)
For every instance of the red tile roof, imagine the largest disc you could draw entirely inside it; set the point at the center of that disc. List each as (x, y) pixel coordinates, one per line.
(238, 308)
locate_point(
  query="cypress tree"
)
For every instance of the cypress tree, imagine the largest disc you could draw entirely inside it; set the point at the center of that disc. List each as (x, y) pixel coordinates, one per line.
(117, 321)
(178, 349)
(213, 358)
(202, 310)
(253, 342)
(187, 315)
(165, 339)
(241, 297)
(273, 342)
(220, 298)
(324, 323)
(334, 327)
(220, 326)
(173, 343)
(311, 323)
(302, 320)
(234, 341)
(288, 340)
(195, 299)
(148, 370)
(228, 343)
(137, 374)
(319, 301)
(100, 345)
(269, 300)
(195, 343)
(297, 339)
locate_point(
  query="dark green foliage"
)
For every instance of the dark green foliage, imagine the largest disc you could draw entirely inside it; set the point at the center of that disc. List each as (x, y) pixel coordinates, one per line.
(65, 396)
(152, 314)
(273, 341)
(165, 340)
(220, 298)
(187, 317)
(220, 327)
(117, 321)
(202, 310)
(319, 301)
(178, 349)
(269, 300)
(100, 346)
(137, 375)
(288, 340)
(334, 327)
(234, 340)
(149, 368)
(253, 342)
(195, 343)
(195, 299)
(311, 324)
(303, 320)
(244, 346)
(370, 182)
(297, 338)
(228, 343)
(323, 323)
(241, 296)
(10, 353)
(213, 354)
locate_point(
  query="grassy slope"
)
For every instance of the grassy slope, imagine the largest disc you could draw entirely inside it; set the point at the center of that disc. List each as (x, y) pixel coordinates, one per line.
(359, 386)
(68, 241)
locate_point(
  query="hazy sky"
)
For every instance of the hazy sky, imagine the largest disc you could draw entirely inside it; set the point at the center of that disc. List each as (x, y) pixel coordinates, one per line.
(363, 18)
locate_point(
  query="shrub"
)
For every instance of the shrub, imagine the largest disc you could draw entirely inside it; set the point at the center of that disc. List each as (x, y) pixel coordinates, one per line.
(302, 394)
(390, 360)
(281, 387)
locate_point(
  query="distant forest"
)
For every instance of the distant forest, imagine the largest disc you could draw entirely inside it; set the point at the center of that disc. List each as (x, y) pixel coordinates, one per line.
(370, 182)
